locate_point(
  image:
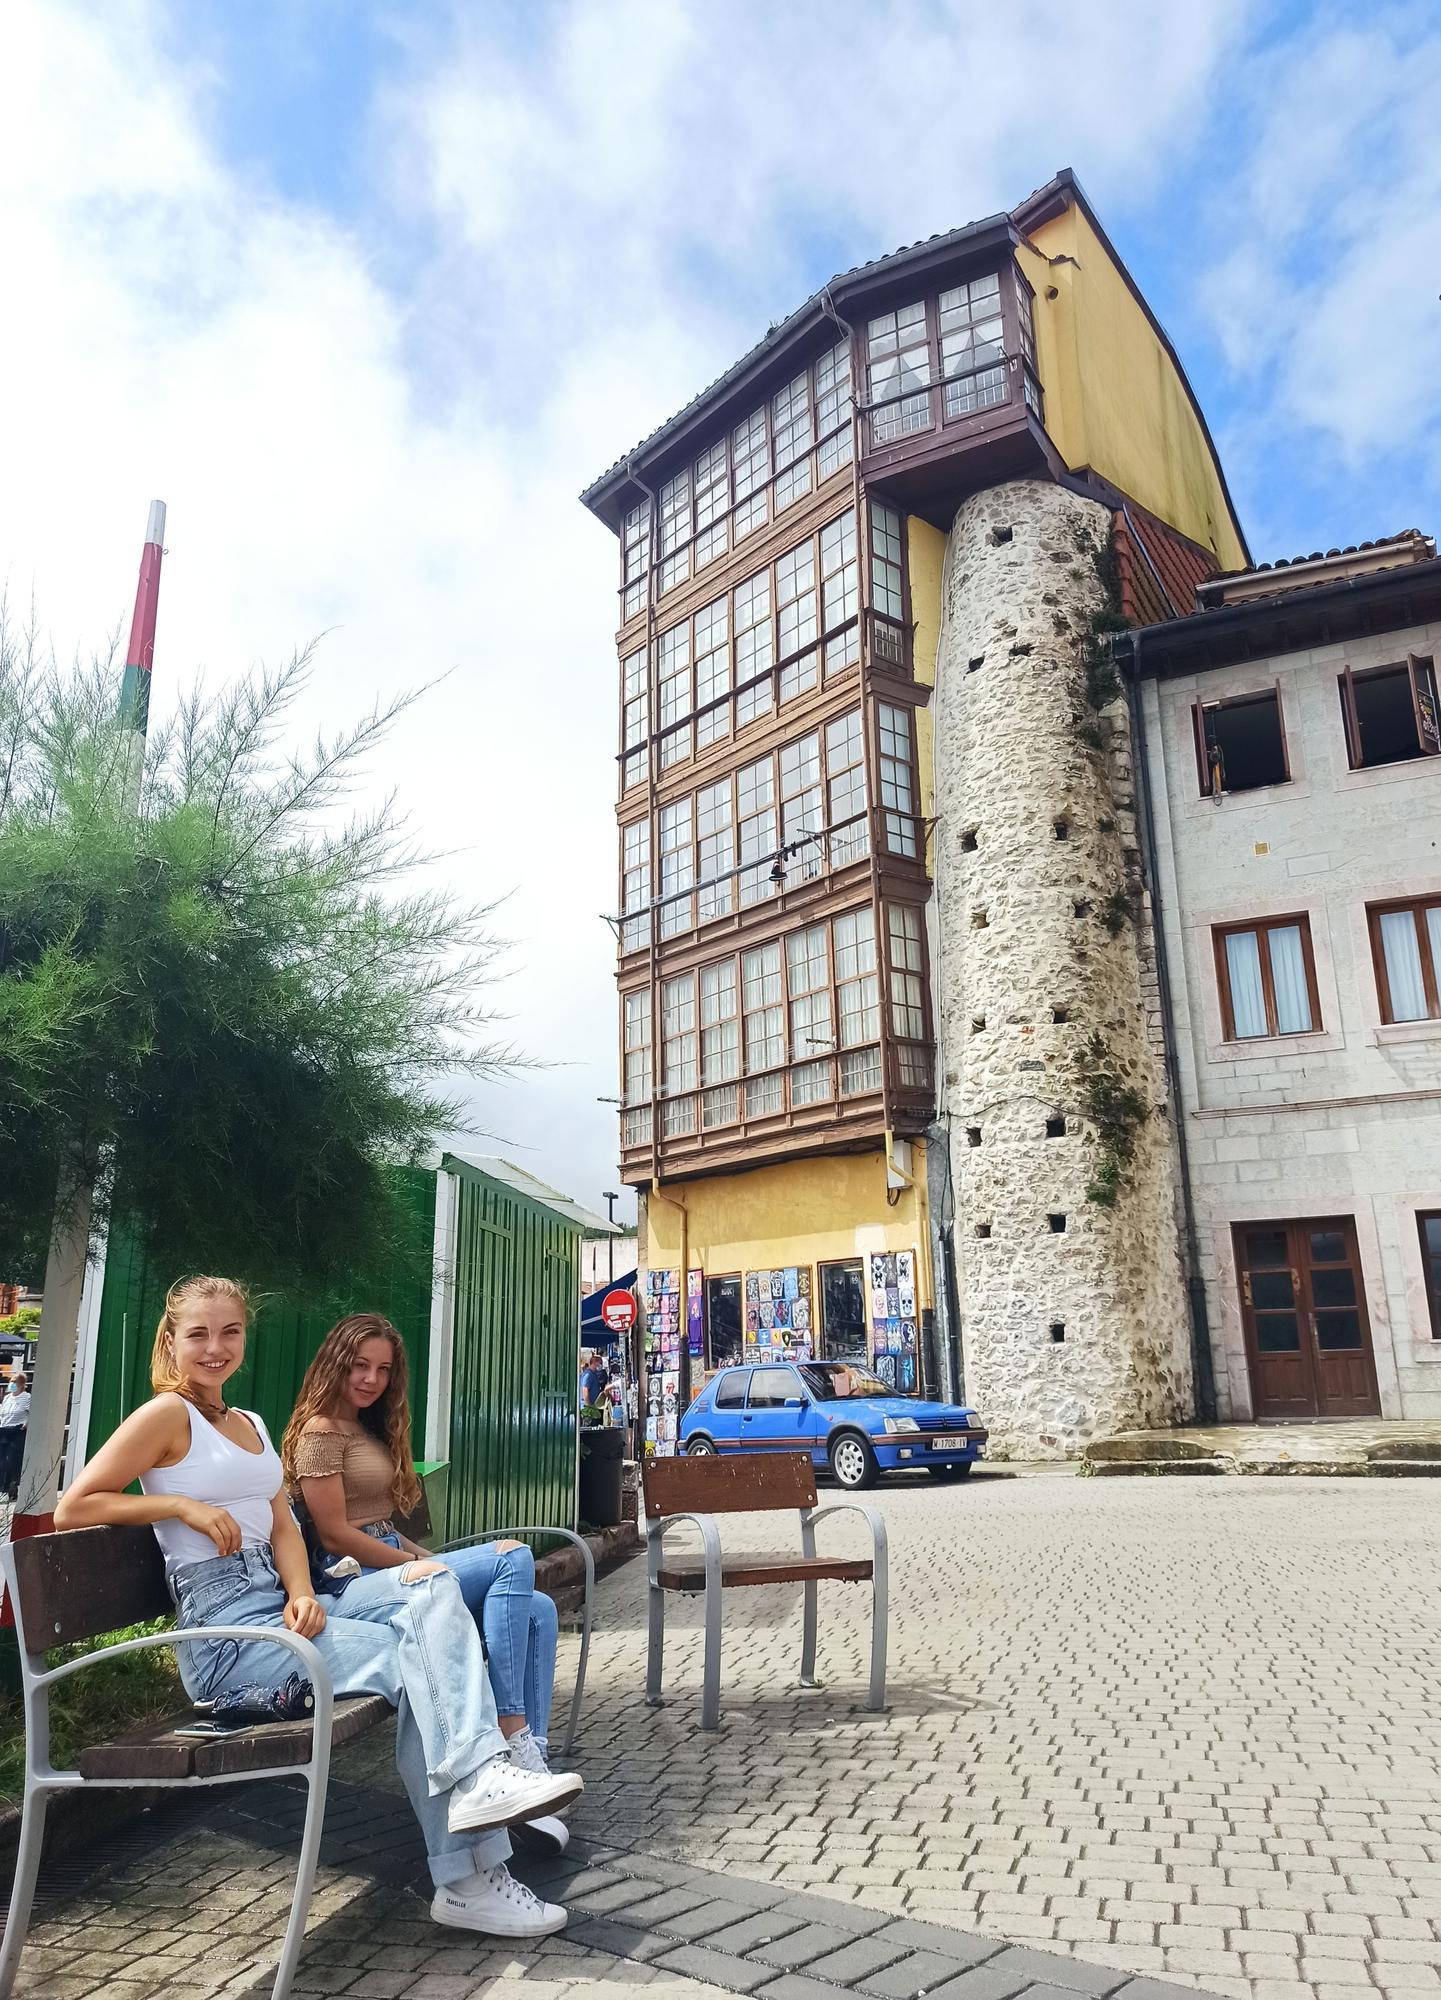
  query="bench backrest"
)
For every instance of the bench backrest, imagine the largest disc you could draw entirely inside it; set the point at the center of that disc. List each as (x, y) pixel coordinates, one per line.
(749, 1483)
(86, 1582)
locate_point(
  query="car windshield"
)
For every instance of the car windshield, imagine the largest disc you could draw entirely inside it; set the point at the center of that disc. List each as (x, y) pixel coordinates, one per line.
(837, 1381)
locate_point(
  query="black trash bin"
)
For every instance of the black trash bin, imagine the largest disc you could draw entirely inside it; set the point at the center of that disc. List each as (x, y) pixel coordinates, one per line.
(602, 1469)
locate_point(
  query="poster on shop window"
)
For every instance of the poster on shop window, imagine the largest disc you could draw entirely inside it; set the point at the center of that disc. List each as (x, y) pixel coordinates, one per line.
(778, 1313)
(891, 1283)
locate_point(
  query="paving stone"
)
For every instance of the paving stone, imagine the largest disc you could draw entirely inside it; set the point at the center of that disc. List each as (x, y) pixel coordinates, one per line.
(764, 1927)
(980, 1983)
(917, 1972)
(965, 1946)
(856, 1960)
(718, 1968)
(1049, 1968)
(800, 1948)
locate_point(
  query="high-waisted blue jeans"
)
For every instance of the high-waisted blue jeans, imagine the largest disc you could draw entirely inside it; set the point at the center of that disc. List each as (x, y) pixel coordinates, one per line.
(517, 1621)
(413, 1643)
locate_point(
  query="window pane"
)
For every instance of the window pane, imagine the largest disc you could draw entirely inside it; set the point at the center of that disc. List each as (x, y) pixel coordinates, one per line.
(1288, 977)
(1278, 1333)
(1401, 945)
(1248, 1001)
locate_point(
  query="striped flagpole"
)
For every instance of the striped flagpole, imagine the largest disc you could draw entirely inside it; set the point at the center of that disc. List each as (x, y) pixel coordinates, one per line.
(140, 654)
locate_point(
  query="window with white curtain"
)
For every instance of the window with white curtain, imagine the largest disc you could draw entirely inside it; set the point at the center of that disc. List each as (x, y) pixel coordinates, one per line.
(1268, 979)
(716, 851)
(898, 362)
(635, 885)
(1406, 945)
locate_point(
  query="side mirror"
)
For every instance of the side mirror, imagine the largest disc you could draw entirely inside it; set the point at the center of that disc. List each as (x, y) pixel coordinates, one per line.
(794, 1403)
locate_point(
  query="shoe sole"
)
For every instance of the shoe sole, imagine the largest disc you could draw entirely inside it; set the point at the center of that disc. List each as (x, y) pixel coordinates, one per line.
(454, 1921)
(558, 1793)
(546, 1835)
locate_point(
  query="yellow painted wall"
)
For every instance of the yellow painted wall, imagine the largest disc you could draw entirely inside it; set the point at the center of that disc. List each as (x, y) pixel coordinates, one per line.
(800, 1212)
(1114, 401)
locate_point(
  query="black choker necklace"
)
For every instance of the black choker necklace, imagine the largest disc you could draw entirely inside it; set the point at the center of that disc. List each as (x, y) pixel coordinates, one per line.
(214, 1411)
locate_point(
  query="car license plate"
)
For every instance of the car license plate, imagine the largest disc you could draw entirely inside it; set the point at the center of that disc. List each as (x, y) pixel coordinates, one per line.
(946, 1444)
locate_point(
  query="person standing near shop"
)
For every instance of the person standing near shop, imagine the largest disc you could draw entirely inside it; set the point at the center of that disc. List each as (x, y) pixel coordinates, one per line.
(14, 1418)
(592, 1382)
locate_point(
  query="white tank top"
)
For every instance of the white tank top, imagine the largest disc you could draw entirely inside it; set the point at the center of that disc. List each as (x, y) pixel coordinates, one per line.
(221, 1474)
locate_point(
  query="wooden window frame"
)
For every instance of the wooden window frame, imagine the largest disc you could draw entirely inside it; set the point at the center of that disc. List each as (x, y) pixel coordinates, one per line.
(1415, 907)
(1260, 926)
(1433, 1290)
(1423, 710)
(1199, 709)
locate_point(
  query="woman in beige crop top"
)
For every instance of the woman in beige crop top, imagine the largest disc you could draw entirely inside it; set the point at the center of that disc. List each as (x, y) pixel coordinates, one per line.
(346, 1453)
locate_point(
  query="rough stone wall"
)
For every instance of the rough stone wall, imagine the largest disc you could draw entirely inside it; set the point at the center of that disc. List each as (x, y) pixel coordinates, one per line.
(1040, 953)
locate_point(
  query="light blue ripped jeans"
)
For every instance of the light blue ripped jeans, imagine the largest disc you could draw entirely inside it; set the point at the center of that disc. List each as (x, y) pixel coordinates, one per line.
(413, 1643)
(517, 1621)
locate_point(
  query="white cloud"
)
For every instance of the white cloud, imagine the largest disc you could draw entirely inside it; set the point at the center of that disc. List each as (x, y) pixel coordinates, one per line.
(1325, 297)
(590, 220)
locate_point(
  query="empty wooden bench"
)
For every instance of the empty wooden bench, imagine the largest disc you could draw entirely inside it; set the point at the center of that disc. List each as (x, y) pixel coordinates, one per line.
(692, 1491)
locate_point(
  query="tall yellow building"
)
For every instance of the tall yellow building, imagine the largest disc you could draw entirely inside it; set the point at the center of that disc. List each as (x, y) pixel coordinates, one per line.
(884, 975)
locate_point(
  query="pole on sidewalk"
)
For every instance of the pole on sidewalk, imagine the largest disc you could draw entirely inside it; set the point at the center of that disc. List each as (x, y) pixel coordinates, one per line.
(69, 1247)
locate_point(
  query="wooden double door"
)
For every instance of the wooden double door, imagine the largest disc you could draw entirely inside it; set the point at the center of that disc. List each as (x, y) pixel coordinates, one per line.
(1308, 1338)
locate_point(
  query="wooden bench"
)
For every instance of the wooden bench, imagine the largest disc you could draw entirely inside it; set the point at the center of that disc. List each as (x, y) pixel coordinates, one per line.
(79, 1585)
(693, 1490)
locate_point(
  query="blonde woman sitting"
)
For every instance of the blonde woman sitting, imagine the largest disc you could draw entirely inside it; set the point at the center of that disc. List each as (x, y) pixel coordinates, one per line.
(212, 1489)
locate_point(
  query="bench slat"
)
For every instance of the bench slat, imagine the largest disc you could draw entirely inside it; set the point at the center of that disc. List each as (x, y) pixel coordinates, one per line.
(737, 1571)
(752, 1482)
(155, 1751)
(87, 1582)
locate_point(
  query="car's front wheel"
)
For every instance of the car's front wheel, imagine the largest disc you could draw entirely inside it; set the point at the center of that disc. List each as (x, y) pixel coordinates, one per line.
(853, 1462)
(957, 1469)
(701, 1448)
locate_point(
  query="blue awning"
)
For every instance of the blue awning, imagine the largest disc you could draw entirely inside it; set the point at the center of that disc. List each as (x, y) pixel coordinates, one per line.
(593, 1329)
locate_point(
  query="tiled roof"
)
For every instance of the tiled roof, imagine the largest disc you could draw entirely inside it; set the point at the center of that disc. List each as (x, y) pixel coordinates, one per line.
(1158, 570)
(1413, 535)
(943, 240)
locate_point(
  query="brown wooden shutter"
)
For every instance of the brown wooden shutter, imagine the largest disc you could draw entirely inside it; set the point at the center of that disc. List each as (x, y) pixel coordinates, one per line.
(1423, 704)
(1352, 720)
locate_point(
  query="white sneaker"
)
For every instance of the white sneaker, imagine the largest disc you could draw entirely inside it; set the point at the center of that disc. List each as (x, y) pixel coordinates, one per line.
(525, 1753)
(496, 1903)
(542, 1836)
(499, 1794)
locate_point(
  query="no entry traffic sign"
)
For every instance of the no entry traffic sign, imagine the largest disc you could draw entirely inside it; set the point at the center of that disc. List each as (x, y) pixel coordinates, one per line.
(618, 1310)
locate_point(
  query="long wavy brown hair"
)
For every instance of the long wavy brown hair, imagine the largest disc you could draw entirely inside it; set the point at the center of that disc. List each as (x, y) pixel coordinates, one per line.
(163, 1372)
(388, 1419)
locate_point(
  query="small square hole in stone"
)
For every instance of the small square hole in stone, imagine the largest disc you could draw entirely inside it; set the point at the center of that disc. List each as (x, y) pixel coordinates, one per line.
(1056, 1224)
(1062, 829)
(1058, 1329)
(1081, 907)
(978, 1023)
(968, 841)
(1000, 536)
(1055, 1128)
(974, 666)
(979, 920)
(1060, 1015)
(973, 1135)
(983, 1230)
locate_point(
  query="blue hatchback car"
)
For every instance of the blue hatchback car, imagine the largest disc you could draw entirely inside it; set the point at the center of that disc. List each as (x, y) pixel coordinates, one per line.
(842, 1414)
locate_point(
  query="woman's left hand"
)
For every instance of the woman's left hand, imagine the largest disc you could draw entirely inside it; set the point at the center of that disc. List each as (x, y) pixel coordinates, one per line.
(304, 1617)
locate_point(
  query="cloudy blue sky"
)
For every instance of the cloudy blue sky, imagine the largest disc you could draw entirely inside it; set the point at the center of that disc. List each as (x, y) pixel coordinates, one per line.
(367, 292)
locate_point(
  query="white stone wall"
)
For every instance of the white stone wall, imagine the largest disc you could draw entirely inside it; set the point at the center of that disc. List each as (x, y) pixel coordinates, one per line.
(1020, 936)
(1345, 1121)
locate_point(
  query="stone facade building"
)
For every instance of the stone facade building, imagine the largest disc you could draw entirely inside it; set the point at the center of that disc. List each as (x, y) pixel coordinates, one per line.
(895, 1088)
(1292, 761)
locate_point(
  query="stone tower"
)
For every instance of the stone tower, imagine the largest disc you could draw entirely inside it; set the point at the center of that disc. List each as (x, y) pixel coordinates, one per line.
(1053, 1086)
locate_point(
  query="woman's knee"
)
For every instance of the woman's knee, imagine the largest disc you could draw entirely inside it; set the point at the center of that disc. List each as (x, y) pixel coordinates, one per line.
(518, 1567)
(543, 1615)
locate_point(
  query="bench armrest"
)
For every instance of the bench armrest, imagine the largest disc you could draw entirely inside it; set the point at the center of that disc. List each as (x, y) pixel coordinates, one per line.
(311, 1658)
(869, 1512)
(709, 1535)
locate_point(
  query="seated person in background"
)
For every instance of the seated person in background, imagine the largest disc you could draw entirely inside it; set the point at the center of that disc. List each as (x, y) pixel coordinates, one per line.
(346, 1453)
(212, 1489)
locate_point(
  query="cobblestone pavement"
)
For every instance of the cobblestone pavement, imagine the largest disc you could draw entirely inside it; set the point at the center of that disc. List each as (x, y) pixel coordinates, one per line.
(1158, 1727)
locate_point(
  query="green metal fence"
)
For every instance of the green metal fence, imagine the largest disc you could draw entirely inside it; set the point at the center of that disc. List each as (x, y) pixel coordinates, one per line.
(513, 1421)
(286, 1333)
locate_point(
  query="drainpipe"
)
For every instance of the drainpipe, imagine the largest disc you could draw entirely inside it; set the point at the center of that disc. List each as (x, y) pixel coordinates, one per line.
(1201, 1360)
